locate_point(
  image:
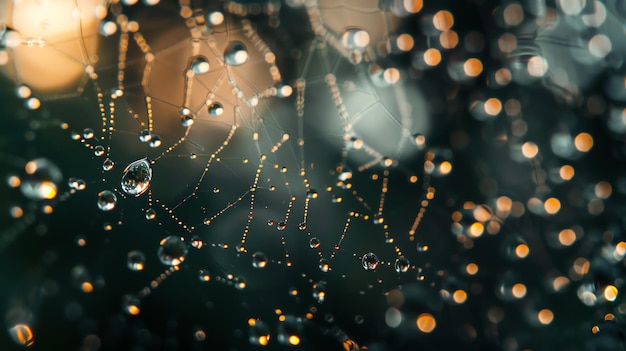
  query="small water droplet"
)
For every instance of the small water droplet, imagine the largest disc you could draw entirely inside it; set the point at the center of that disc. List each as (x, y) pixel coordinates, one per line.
(155, 141)
(199, 65)
(236, 54)
(369, 261)
(281, 225)
(314, 243)
(108, 164)
(41, 179)
(77, 184)
(186, 117)
(99, 151)
(106, 200)
(136, 261)
(324, 265)
(216, 109)
(259, 260)
(172, 250)
(150, 214)
(402, 264)
(136, 177)
(145, 136)
(88, 133)
(319, 291)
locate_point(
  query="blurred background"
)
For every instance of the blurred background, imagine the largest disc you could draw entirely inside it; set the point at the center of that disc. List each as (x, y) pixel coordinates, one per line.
(312, 174)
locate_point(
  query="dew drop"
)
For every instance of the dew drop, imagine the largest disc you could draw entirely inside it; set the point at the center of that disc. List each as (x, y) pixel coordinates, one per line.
(302, 226)
(155, 140)
(131, 304)
(314, 243)
(136, 177)
(196, 242)
(369, 261)
(402, 264)
(281, 225)
(136, 261)
(106, 200)
(271, 222)
(99, 151)
(216, 109)
(259, 260)
(236, 54)
(319, 291)
(76, 184)
(41, 179)
(172, 250)
(108, 164)
(204, 275)
(199, 65)
(88, 133)
(324, 265)
(150, 214)
(145, 136)
(186, 117)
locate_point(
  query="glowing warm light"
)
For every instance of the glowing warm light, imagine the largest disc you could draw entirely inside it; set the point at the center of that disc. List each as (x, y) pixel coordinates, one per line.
(603, 189)
(493, 106)
(413, 6)
(459, 296)
(513, 14)
(87, 287)
(133, 310)
(530, 149)
(443, 20)
(473, 67)
(445, 167)
(294, 340)
(449, 39)
(581, 266)
(405, 42)
(391, 76)
(595, 329)
(507, 43)
(583, 142)
(552, 205)
(22, 334)
(566, 172)
(476, 229)
(610, 293)
(567, 237)
(522, 250)
(426, 323)
(47, 209)
(545, 316)
(559, 283)
(482, 213)
(471, 268)
(519, 290)
(47, 190)
(432, 57)
(251, 322)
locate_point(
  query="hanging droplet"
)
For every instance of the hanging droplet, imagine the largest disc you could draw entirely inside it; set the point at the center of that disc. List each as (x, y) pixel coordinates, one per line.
(281, 225)
(302, 226)
(76, 184)
(369, 261)
(199, 65)
(108, 164)
(99, 151)
(131, 304)
(136, 261)
(236, 54)
(319, 291)
(136, 177)
(314, 243)
(216, 109)
(172, 250)
(204, 275)
(150, 214)
(106, 200)
(186, 117)
(88, 133)
(402, 264)
(259, 260)
(324, 265)
(41, 179)
(145, 136)
(155, 140)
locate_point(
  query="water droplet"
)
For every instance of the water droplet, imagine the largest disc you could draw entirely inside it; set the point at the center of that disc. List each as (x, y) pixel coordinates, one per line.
(150, 214)
(106, 200)
(136, 261)
(88, 133)
(319, 291)
(240, 283)
(369, 261)
(259, 260)
(172, 250)
(438, 162)
(196, 242)
(302, 226)
(216, 109)
(199, 65)
(131, 304)
(312, 194)
(155, 141)
(186, 117)
(136, 177)
(236, 54)
(271, 222)
(22, 335)
(314, 243)
(324, 265)
(355, 38)
(402, 264)
(259, 333)
(145, 136)
(77, 184)
(281, 225)
(108, 164)
(204, 275)
(99, 151)
(41, 179)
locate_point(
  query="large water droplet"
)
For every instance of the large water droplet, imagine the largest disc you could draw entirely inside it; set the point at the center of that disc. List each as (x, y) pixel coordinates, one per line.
(131, 304)
(186, 117)
(136, 261)
(136, 177)
(108, 164)
(106, 200)
(216, 109)
(369, 261)
(41, 179)
(145, 136)
(199, 65)
(402, 264)
(155, 141)
(172, 250)
(236, 54)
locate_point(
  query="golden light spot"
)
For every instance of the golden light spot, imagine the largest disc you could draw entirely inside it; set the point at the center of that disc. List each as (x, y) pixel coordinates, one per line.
(519, 290)
(471, 268)
(609, 317)
(426, 323)
(473, 67)
(503, 76)
(445, 167)
(620, 248)
(482, 213)
(559, 283)
(566, 172)
(133, 310)
(545, 316)
(581, 266)
(405, 42)
(493, 106)
(583, 142)
(443, 20)
(567, 237)
(87, 287)
(595, 329)
(47, 209)
(513, 14)
(391, 76)
(504, 204)
(413, 6)
(530, 149)
(603, 189)
(449, 39)
(47, 190)
(30, 167)
(610, 293)
(294, 340)
(251, 322)
(14, 181)
(459, 296)
(16, 212)
(552, 205)
(476, 229)
(432, 57)
(22, 334)
(517, 209)
(282, 318)
(522, 250)
(413, 179)
(263, 340)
